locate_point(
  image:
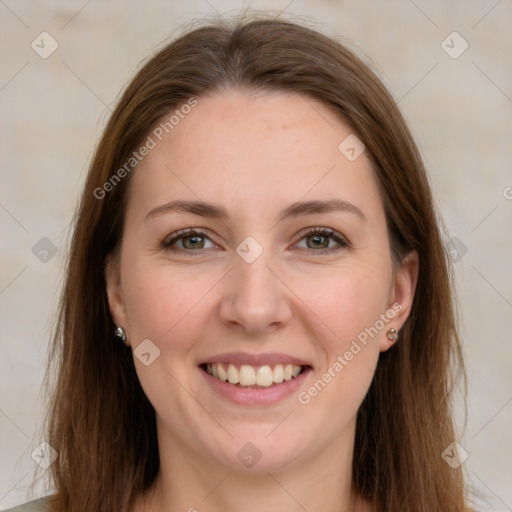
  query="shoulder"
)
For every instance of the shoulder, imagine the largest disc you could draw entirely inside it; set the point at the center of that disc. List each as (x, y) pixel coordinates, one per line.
(40, 505)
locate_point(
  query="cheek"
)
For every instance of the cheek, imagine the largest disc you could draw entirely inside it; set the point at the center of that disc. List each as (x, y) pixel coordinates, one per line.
(166, 305)
(346, 300)
(345, 311)
(161, 300)
(349, 352)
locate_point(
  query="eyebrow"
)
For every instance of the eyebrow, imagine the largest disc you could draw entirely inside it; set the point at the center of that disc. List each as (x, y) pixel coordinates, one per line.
(297, 209)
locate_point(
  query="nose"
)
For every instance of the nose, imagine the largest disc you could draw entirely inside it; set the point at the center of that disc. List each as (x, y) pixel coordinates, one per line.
(254, 299)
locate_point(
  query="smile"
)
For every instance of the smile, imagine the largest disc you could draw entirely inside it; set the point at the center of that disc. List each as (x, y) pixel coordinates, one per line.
(247, 376)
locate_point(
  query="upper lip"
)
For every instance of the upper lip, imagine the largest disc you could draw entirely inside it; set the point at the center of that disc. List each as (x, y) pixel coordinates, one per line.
(270, 358)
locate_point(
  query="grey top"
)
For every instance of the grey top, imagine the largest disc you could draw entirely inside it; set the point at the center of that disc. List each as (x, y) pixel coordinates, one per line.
(40, 505)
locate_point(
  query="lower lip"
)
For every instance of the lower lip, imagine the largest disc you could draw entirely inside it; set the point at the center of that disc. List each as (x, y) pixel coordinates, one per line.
(256, 396)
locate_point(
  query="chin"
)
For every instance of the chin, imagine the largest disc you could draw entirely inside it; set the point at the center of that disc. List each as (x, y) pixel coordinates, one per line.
(256, 450)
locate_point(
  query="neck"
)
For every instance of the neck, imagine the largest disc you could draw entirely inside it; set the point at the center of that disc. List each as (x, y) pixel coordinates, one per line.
(193, 483)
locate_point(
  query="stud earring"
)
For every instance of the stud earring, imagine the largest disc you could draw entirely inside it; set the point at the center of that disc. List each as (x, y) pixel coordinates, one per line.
(119, 332)
(392, 334)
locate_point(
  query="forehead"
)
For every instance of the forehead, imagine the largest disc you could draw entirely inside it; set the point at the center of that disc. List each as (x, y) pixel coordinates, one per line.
(254, 150)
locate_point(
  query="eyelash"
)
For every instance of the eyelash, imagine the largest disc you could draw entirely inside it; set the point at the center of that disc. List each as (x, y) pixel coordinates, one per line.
(185, 233)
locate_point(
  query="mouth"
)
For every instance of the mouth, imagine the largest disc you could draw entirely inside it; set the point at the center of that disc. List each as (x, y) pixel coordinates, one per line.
(253, 377)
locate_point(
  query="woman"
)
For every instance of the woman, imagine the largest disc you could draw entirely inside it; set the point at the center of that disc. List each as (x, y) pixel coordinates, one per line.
(257, 310)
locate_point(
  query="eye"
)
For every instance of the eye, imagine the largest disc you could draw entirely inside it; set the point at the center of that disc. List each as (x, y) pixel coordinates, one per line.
(194, 240)
(322, 240)
(189, 240)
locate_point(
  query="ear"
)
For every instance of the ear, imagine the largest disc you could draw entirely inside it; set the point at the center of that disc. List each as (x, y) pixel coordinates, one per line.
(402, 296)
(114, 291)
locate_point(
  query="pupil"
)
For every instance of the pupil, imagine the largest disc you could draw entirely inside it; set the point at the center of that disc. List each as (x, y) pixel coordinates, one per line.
(317, 241)
(194, 239)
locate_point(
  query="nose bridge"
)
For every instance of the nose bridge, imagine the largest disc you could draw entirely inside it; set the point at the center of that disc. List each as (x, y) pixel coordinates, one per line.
(255, 280)
(255, 298)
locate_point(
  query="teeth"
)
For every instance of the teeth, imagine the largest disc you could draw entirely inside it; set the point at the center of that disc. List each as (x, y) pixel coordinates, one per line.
(278, 374)
(222, 373)
(263, 376)
(247, 376)
(233, 375)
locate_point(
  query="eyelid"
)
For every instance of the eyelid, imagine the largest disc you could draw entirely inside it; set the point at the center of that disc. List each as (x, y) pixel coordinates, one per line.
(182, 233)
(338, 237)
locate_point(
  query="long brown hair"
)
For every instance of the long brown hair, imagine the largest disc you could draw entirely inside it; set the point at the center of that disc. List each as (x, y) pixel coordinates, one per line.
(101, 423)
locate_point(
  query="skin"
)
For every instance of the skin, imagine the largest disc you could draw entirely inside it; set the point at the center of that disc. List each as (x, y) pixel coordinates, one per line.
(254, 154)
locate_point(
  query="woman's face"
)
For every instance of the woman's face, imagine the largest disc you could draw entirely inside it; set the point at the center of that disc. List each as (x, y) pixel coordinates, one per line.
(255, 247)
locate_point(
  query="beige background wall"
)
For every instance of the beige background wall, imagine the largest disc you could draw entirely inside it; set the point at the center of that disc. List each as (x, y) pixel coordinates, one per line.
(460, 109)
